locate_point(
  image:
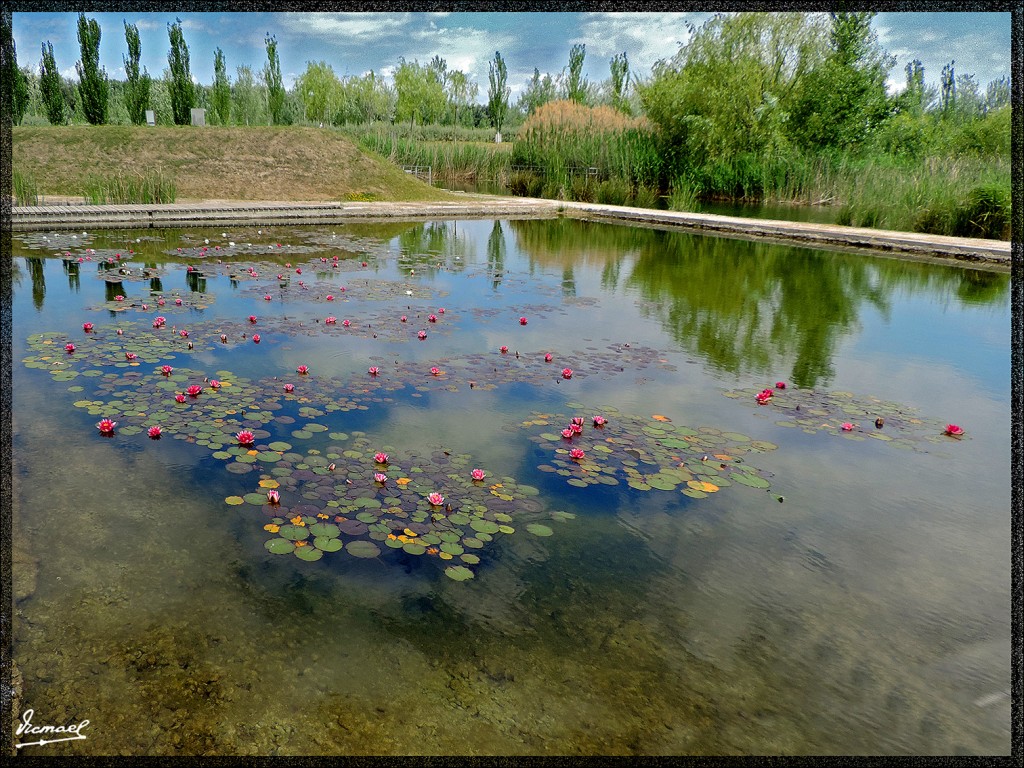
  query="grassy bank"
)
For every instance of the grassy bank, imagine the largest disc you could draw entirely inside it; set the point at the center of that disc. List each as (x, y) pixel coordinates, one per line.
(212, 163)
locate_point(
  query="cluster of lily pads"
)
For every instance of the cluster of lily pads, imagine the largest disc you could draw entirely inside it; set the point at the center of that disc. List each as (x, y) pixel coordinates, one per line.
(607, 447)
(847, 415)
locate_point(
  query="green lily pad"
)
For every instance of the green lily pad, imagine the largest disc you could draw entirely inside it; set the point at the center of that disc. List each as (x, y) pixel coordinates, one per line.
(470, 558)
(236, 500)
(752, 480)
(327, 544)
(326, 530)
(294, 532)
(458, 572)
(483, 526)
(451, 548)
(279, 445)
(364, 549)
(414, 549)
(257, 499)
(279, 546)
(539, 529)
(308, 553)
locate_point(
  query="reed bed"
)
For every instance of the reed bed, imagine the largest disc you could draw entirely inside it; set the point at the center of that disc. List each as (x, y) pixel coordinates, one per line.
(124, 189)
(25, 189)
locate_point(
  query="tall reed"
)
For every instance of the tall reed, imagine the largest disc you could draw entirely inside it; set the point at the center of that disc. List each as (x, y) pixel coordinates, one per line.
(26, 191)
(124, 189)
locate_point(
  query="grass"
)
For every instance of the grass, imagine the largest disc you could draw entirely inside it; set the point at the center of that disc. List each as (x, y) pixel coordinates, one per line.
(448, 159)
(26, 191)
(212, 163)
(144, 189)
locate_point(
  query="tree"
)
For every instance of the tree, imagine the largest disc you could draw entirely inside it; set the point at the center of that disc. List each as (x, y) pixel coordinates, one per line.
(620, 82)
(947, 101)
(221, 88)
(247, 98)
(137, 84)
(497, 92)
(50, 84)
(319, 90)
(182, 91)
(997, 94)
(272, 78)
(575, 84)
(92, 81)
(420, 93)
(14, 81)
(844, 99)
(538, 92)
(461, 93)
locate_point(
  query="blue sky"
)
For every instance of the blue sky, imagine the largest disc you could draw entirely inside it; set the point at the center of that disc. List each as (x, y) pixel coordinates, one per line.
(356, 42)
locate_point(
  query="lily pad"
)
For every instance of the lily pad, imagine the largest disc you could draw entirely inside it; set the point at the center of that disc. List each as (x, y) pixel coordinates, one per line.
(279, 546)
(308, 553)
(364, 549)
(539, 529)
(458, 572)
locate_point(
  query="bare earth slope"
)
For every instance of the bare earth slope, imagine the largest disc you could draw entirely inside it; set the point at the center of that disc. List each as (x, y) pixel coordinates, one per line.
(214, 163)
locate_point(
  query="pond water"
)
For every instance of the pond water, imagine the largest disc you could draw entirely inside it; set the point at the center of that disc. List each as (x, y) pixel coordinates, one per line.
(713, 575)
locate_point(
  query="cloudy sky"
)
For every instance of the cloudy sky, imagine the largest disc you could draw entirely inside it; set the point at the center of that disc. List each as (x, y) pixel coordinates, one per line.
(356, 42)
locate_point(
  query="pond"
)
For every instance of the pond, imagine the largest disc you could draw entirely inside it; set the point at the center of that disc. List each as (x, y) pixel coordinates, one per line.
(687, 535)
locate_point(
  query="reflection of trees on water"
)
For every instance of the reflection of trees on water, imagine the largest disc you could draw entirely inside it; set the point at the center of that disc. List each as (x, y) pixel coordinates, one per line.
(749, 307)
(74, 277)
(496, 254)
(38, 275)
(426, 245)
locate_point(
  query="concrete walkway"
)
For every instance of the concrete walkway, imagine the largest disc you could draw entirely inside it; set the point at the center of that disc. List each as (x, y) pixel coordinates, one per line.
(990, 254)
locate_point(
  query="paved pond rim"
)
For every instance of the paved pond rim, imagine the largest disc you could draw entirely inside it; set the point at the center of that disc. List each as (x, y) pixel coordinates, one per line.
(986, 254)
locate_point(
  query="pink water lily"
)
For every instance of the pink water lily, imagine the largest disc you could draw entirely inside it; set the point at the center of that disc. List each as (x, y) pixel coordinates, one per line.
(145, 307)
(161, 320)
(504, 349)
(846, 426)
(120, 332)
(567, 433)
(600, 421)
(273, 496)
(252, 318)
(780, 385)
(331, 320)
(435, 371)
(298, 270)
(330, 297)
(160, 302)
(166, 370)
(432, 318)
(576, 454)
(346, 322)
(184, 334)
(380, 457)
(953, 430)
(440, 311)
(522, 321)
(436, 499)
(86, 327)
(214, 384)
(223, 337)
(69, 347)
(548, 358)
(577, 429)
(303, 369)
(364, 264)
(157, 324)
(267, 297)
(177, 302)
(154, 432)
(280, 277)
(106, 426)
(245, 437)
(119, 297)
(331, 467)
(567, 373)
(130, 355)
(477, 474)
(256, 338)
(289, 387)
(380, 477)
(576, 420)
(373, 370)
(403, 318)
(421, 335)
(194, 390)
(180, 398)
(763, 396)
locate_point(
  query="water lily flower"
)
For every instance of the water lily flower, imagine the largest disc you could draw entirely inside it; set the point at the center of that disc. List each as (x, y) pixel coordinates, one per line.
(194, 390)
(403, 318)
(157, 324)
(214, 384)
(106, 426)
(435, 371)
(245, 437)
(179, 398)
(763, 396)
(600, 421)
(567, 433)
(567, 373)
(190, 345)
(846, 426)
(380, 477)
(547, 358)
(577, 429)
(576, 454)
(436, 499)
(330, 297)
(280, 277)
(273, 496)
(160, 302)
(303, 369)
(119, 297)
(154, 432)
(160, 319)
(145, 307)
(184, 334)
(298, 270)
(252, 318)
(576, 420)
(953, 430)
(380, 457)
(120, 332)
(346, 322)
(86, 327)
(331, 320)
(289, 387)
(331, 467)
(780, 385)
(177, 302)
(477, 474)
(373, 370)
(522, 321)
(440, 311)
(432, 318)
(421, 335)
(256, 338)
(504, 349)
(130, 355)
(267, 297)
(166, 370)
(224, 337)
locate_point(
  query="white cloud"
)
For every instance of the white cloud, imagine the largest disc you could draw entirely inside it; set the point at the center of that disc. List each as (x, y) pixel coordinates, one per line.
(340, 25)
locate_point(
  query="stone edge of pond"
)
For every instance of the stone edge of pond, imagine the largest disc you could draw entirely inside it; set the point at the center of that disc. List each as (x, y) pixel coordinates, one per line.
(988, 254)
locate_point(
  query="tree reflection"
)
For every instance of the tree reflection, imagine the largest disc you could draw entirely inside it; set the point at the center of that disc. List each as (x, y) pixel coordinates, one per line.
(427, 245)
(37, 274)
(496, 254)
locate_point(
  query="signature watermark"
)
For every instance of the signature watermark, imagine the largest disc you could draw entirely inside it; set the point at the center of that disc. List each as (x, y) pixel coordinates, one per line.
(71, 732)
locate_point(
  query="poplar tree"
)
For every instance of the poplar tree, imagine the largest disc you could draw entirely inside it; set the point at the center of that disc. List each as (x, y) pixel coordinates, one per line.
(15, 82)
(93, 85)
(50, 87)
(137, 84)
(221, 88)
(497, 92)
(182, 92)
(272, 77)
(576, 84)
